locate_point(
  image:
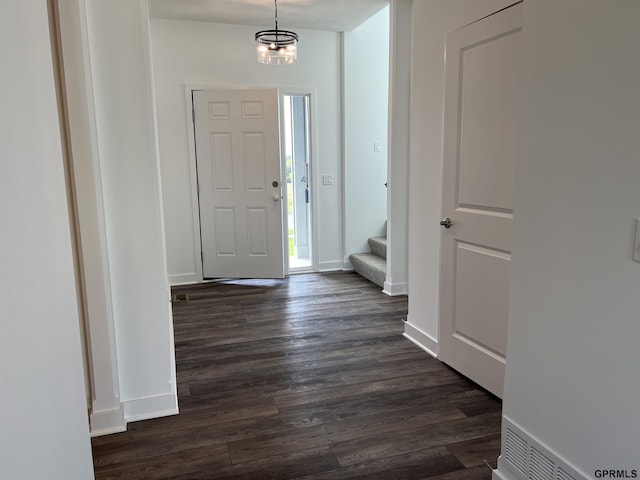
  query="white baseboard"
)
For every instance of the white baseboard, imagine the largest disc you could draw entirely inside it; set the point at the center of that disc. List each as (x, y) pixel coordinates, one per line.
(395, 289)
(151, 407)
(183, 279)
(421, 339)
(498, 475)
(107, 422)
(329, 266)
(347, 266)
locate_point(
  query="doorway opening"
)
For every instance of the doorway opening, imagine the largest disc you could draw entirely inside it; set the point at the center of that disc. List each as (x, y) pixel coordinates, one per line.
(297, 167)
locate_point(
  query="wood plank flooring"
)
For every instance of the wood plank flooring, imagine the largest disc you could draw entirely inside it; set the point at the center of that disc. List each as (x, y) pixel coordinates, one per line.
(307, 378)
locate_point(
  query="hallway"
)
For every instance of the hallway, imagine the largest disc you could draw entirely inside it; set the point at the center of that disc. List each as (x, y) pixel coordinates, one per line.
(307, 377)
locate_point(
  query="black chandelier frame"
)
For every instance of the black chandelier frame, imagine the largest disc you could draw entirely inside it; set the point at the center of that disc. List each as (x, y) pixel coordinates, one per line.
(276, 39)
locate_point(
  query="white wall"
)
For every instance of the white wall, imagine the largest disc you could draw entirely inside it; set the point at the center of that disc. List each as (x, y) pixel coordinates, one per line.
(574, 329)
(44, 429)
(432, 21)
(366, 111)
(200, 53)
(127, 149)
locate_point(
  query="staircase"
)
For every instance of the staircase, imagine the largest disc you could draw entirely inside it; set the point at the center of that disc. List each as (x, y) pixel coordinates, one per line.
(372, 266)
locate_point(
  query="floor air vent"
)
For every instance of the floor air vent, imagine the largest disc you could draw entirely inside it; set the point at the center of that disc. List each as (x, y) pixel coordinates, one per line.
(540, 467)
(180, 297)
(562, 475)
(528, 459)
(516, 451)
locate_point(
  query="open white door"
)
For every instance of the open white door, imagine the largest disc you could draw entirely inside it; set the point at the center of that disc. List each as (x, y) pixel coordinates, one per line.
(239, 183)
(482, 66)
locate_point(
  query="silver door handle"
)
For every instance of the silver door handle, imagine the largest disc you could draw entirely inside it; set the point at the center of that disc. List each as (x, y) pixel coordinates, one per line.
(446, 222)
(277, 198)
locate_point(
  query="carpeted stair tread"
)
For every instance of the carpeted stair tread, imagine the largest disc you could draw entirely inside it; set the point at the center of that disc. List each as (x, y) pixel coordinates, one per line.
(370, 266)
(378, 246)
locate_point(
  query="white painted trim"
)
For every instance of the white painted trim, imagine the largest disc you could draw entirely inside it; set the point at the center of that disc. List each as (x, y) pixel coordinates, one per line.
(400, 39)
(300, 271)
(395, 289)
(107, 422)
(347, 266)
(421, 339)
(94, 249)
(193, 175)
(283, 184)
(159, 200)
(315, 181)
(151, 407)
(330, 266)
(173, 381)
(155, 142)
(498, 475)
(184, 279)
(343, 152)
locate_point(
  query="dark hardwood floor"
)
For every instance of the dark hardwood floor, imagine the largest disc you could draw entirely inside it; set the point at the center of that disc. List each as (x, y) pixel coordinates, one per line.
(307, 377)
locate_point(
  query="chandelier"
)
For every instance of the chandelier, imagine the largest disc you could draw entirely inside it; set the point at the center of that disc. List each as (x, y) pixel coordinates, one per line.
(277, 47)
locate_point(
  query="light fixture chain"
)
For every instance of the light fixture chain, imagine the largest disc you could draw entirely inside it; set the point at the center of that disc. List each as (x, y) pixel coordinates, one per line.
(276, 2)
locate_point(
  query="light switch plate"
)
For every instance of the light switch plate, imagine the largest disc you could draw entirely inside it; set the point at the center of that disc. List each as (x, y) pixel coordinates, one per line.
(377, 146)
(327, 179)
(636, 246)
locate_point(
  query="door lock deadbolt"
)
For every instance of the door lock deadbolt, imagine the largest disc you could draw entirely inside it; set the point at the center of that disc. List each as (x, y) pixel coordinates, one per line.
(446, 222)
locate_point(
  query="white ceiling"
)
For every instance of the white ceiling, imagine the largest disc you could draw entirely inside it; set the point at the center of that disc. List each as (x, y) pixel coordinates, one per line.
(332, 15)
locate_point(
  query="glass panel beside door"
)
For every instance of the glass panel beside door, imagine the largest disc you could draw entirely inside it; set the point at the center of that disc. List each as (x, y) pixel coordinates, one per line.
(298, 182)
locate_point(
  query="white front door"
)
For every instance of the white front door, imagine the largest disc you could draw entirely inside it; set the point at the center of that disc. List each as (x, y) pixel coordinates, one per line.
(481, 85)
(239, 183)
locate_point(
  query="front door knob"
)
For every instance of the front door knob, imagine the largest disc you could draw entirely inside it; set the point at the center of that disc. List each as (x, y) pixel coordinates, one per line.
(446, 222)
